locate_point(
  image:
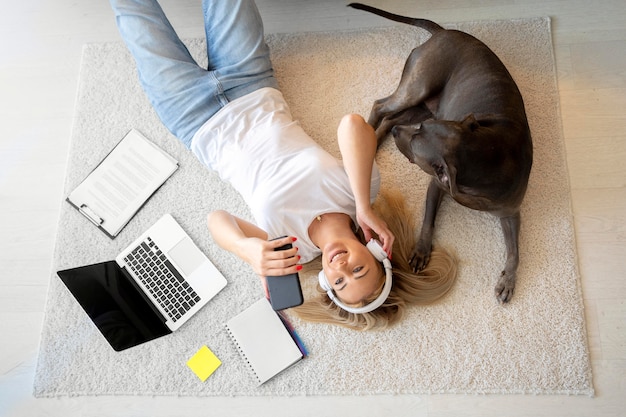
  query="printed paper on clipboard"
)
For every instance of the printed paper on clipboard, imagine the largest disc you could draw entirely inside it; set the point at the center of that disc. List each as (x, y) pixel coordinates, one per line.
(121, 184)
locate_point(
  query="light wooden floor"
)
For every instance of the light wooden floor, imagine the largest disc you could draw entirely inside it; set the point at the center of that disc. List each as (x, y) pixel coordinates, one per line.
(40, 47)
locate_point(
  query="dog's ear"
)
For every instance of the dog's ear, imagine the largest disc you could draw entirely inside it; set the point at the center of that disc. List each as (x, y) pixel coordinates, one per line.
(470, 122)
(447, 176)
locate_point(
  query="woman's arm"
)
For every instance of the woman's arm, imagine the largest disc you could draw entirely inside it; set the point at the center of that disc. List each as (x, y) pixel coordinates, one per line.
(357, 144)
(250, 243)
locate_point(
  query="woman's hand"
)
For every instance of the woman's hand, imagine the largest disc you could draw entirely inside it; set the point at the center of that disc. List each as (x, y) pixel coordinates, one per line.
(264, 259)
(370, 222)
(250, 244)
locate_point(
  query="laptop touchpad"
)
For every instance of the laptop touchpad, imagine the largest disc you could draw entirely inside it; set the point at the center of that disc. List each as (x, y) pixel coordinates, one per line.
(186, 256)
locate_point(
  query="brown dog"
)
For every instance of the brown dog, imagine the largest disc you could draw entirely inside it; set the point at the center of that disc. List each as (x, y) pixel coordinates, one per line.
(458, 115)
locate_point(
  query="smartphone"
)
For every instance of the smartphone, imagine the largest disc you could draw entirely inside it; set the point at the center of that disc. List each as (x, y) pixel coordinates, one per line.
(285, 291)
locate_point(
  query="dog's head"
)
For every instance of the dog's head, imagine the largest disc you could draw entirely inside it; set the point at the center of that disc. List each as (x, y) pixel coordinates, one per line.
(433, 145)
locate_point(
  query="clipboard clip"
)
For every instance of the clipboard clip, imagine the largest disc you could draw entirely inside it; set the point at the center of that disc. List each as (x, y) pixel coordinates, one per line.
(91, 215)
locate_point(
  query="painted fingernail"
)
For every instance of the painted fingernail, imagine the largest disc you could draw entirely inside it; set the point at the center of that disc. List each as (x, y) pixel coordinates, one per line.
(293, 239)
(299, 267)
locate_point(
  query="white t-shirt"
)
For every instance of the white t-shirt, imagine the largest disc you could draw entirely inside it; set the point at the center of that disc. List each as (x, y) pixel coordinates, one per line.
(284, 176)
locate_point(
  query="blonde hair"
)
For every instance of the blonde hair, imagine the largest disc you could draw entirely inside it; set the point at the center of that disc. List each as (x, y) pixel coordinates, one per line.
(409, 288)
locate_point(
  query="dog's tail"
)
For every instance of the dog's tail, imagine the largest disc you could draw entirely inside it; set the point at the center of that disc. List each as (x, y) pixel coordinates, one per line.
(428, 25)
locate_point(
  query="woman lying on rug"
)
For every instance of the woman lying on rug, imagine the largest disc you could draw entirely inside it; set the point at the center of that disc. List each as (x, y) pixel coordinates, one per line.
(235, 120)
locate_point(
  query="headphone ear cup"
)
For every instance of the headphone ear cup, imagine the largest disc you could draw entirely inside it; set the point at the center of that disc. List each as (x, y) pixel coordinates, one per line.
(377, 250)
(321, 277)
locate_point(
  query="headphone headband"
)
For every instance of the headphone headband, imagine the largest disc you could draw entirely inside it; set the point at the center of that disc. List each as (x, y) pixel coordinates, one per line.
(376, 249)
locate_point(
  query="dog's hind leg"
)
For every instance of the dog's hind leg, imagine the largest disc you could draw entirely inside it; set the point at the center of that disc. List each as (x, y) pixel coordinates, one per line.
(419, 82)
(421, 253)
(506, 283)
(410, 116)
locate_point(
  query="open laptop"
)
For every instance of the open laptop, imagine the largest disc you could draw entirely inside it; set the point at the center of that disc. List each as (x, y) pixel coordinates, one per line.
(151, 289)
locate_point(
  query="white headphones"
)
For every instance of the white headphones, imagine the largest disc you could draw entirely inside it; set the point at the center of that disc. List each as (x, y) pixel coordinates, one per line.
(377, 250)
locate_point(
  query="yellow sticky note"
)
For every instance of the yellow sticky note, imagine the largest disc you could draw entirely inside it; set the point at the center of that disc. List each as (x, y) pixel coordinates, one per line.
(204, 363)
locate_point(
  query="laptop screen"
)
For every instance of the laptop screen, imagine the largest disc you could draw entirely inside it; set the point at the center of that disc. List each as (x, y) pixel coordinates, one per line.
(117, 308)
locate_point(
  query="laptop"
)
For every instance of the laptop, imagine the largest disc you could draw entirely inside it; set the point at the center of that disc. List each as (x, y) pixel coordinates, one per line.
(150, 290)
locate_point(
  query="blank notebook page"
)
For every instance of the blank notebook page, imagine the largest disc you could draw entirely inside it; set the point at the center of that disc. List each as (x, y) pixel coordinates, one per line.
(263, 340)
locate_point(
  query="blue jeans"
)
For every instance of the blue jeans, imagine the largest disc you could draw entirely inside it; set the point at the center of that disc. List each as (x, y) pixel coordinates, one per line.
(184, 94)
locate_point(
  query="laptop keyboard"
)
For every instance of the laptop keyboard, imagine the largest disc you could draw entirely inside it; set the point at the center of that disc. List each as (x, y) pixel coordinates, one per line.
(161, 279)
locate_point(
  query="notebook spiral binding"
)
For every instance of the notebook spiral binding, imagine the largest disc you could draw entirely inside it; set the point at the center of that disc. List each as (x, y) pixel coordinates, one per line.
(242, 353)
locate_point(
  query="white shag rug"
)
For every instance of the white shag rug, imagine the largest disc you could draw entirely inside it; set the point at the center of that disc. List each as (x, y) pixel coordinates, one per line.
(467, 343)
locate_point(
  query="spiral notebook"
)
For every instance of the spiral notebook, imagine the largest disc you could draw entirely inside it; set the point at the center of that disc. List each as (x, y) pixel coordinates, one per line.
(264, 340)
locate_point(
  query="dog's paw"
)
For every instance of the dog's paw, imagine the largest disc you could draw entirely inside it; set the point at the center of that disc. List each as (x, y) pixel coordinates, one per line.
(505, 287)
(419, 259)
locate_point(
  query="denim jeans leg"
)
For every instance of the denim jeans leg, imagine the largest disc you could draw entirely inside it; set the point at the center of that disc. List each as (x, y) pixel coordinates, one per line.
(183, 94)
(236, 48)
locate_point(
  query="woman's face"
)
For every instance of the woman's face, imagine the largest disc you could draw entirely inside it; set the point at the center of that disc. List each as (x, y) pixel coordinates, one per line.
(351, 270)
